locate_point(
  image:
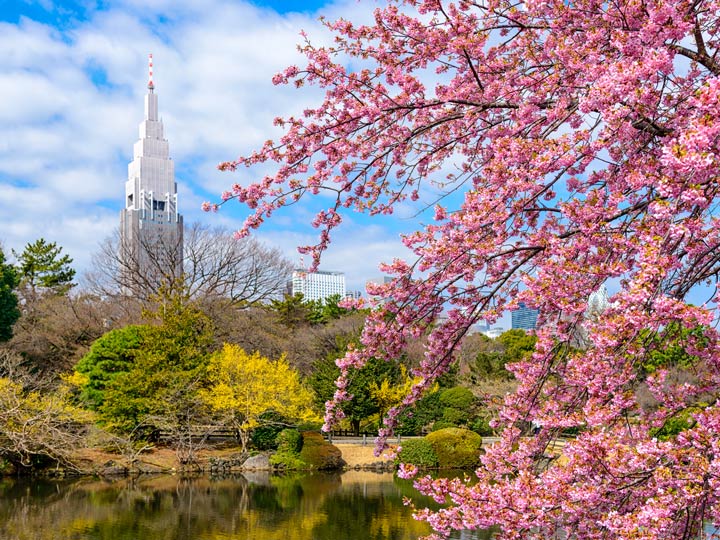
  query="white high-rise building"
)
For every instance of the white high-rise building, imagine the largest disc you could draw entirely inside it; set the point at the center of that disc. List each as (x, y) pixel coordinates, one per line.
(318, 285)
(151, 228)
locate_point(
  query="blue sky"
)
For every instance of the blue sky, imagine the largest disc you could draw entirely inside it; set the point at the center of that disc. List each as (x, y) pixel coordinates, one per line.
(72, 79)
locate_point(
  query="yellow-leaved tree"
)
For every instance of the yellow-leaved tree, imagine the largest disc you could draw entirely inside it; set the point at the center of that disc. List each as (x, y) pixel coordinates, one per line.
(388, 395)
(244, 386)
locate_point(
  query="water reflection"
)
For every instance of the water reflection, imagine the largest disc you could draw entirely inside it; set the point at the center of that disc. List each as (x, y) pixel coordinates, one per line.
(350, 506)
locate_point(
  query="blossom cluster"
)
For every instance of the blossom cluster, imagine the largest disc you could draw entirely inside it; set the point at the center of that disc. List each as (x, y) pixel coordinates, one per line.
(585, 139)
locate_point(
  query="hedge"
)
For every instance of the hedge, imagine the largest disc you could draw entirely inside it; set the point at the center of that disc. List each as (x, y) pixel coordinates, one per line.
(417, 452)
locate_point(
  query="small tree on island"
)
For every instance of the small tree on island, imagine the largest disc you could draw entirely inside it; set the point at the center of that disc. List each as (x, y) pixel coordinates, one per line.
(563, 145)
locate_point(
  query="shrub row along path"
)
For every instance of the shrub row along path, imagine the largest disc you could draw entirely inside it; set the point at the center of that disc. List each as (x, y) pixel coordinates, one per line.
(355, 453)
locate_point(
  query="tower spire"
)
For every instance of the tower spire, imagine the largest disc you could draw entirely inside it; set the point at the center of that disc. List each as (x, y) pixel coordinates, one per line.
(151, 85)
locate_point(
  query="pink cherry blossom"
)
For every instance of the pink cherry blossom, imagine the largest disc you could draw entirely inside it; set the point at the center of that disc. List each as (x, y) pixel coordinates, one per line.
(584, 138)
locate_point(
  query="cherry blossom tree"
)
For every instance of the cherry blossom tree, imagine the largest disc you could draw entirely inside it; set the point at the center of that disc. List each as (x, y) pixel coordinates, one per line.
(563, 145)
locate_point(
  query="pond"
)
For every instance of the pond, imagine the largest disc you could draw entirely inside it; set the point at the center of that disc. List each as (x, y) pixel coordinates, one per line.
(350, 506)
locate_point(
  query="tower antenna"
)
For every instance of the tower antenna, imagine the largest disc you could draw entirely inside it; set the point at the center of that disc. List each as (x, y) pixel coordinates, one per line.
(151, 85)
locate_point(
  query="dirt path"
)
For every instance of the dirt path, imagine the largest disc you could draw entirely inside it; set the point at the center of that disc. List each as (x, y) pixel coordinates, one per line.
(357, 455)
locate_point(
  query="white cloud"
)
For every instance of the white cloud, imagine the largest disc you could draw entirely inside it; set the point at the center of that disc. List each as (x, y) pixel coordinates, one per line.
(71, 100)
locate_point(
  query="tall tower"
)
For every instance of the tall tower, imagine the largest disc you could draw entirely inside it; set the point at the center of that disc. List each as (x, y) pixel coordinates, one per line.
(151, 228)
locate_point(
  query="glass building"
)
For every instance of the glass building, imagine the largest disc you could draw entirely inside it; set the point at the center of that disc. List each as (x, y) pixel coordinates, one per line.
(524, 317)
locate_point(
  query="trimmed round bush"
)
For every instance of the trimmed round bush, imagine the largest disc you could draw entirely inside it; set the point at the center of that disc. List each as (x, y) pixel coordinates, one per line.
(417, 452)
(319, 454)
(455, 447)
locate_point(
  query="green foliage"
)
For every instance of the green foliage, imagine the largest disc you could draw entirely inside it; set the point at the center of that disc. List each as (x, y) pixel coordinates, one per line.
(324, 311)
(669, 347)
(362, 386)
(458, 406)
(442, 424)
(518, 344)
(9, 312)
(289, 444)
(458, 397)
(481, 426)
(264, 436)
(455, 447)
(494, 354)
(319, 454)
(290, 440)
(287, 461)
(42, 265)
(418, 452)
(425, 412)
(292, 311)
(109, 356)
(677, 423)
(455, 417)
(167, 372)
(307, 450)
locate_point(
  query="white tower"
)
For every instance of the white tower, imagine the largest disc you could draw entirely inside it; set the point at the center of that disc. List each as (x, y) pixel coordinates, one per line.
(151, 228)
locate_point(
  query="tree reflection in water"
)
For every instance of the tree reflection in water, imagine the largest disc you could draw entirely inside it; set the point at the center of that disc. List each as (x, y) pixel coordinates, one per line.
(350, 506)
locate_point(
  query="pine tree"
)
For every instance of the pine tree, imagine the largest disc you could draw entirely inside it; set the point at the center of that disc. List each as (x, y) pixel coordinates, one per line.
(43, 267)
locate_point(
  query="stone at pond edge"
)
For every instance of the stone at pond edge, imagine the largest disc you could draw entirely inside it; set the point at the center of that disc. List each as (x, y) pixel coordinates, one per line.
(112, 468)
(261, 462)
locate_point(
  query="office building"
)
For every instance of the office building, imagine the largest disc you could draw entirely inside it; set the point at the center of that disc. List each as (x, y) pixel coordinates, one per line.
(318, 285)
(524, 317)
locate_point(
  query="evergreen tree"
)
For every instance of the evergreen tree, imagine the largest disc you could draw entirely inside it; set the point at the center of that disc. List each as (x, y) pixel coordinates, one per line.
(42, 265)
(292, 310)
(166, 370)
(109, 356)
(9, 312)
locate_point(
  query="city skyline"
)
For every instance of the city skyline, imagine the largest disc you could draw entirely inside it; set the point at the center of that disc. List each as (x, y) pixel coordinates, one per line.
(74, 78)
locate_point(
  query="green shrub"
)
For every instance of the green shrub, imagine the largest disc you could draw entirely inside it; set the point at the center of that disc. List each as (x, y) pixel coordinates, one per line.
(109, 356)
(481, 426)
(410, 424)
(309, 426)
(455, 447)
(454, 416)
(289, 440)
(264, 436)
(289, 443)
(677, 423)
(317, 453)
(441, 424)
(418, 452)
(458, 397)
(287, 461)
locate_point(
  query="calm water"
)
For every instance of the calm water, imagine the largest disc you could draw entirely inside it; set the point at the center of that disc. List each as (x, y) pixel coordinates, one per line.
(348, 506)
